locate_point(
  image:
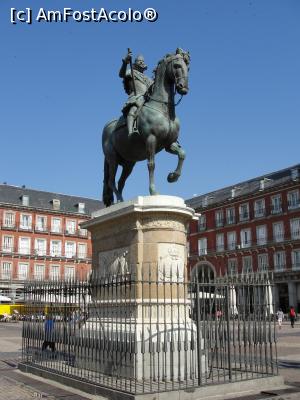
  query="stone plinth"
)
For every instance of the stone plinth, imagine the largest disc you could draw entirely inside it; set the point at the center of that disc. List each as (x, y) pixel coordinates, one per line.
(144, 239)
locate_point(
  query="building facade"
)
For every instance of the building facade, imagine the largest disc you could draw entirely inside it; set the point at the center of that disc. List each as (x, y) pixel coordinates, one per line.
(251, 226)
(41, 237)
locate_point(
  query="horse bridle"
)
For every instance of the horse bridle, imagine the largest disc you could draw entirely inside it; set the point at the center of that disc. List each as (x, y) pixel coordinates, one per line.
(176, 79)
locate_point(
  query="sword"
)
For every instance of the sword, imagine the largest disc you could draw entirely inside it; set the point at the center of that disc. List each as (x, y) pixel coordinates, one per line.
(131, 70)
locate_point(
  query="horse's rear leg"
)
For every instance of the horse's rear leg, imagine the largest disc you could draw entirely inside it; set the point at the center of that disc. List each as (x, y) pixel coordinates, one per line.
(176, 149)
(151, 147)
(113, 167)
(127, 169)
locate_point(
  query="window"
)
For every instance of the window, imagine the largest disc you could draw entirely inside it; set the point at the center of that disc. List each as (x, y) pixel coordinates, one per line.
(245, 238)
(219, 218)
(70, 227)
(82, 232)
(276, 204)
(247, 265)
(295, 228)
(56, 225)
(23, 271)
(259, 208)
(25, 221)
(56, 204)
(81, 250)
(232, 266)
(81, 208)
(54, 272)
(70, 249)
(40, 247)
(55, 248)
(9, 219)
(202, 246)
(39, 272)
(202, 223)
(7, 244)
(262, 262)
(24, 245)
(231, 240)
(278, 232)
(25, 200)
(6, 272)
(41, 223)
(261, 235)
(69, 272)
(244, 212)
(220, 241)
(296, 259)
(279, 261)
(293, 199)
(230, 215)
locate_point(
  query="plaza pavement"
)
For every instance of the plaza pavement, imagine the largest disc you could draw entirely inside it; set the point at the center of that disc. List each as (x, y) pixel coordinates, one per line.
(15, 385)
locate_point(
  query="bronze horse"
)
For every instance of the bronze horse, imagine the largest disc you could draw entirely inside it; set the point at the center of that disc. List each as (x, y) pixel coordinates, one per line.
(158, 128)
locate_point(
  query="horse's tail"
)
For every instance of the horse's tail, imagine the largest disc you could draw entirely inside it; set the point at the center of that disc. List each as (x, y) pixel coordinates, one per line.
(107, 195)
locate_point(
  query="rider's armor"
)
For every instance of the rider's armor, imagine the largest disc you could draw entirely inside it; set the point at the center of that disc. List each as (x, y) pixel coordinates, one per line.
(135, 91)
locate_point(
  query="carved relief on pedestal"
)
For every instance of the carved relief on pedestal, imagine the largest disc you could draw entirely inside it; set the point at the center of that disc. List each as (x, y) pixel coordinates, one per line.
(164, 222)
(171, 262)
(113, 262)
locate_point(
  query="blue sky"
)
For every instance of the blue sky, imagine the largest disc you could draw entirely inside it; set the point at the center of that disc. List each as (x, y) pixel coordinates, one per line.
(59, 85)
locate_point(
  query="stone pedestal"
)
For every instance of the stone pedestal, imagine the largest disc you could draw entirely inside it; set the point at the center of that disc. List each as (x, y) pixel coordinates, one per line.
(147, 321)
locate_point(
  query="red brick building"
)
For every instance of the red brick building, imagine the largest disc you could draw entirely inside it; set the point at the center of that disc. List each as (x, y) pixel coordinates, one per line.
(251, 226)
(41, 238)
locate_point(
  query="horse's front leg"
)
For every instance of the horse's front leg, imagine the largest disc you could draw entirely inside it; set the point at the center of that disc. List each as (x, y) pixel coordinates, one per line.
(175, 148)
(151, 147)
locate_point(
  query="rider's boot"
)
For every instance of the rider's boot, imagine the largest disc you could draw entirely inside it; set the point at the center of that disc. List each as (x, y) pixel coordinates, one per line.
(130, 124)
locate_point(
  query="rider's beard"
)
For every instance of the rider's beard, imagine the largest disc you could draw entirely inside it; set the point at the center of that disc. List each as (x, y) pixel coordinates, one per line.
(140, 68)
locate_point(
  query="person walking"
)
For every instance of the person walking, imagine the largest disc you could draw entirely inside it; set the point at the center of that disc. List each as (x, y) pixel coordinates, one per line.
(49, 334)
(280, 317)
(292, 316)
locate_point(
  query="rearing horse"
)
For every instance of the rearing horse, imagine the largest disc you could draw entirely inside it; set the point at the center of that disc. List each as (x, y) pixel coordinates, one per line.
(158, 128)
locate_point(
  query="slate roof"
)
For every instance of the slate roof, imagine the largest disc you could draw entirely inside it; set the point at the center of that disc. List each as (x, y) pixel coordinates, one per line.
(242, 189)
(12, 195)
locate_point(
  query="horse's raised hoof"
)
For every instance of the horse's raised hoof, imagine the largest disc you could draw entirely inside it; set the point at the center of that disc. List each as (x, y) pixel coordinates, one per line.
(173, 177)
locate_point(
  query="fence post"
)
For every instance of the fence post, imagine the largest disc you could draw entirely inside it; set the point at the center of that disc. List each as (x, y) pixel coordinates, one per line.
(198, 333)
(228, 328)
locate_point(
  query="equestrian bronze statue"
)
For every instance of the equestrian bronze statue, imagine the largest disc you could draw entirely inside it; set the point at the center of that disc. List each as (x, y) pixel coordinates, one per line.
(148, 124)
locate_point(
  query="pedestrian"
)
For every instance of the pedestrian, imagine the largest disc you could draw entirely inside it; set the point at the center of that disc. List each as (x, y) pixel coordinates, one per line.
(292, 316)
(280, 317)
(49, 334)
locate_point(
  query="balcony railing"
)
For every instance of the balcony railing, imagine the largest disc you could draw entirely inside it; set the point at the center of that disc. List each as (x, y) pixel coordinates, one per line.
(24, 251)
(293, 204)
(278, 237)
(279, 267)
(202, 226)
(276, 209)
(219, 222)
(244, 216)
(233, 246)
(246, 243)
(230, 220)
(259, 212)
(296, 266)
(41, 228)
(46, 229)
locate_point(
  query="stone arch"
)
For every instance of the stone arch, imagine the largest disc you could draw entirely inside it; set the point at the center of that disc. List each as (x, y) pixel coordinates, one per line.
(204, 270)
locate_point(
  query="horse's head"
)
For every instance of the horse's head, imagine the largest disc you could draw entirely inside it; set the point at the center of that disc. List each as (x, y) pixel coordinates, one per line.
(177, 70)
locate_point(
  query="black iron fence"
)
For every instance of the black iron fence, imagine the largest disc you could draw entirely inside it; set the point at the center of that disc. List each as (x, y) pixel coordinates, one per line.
(154, 331)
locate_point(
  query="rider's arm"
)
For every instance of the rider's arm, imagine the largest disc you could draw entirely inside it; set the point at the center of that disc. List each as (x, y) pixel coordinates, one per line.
(123, 70)
(125, 62)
